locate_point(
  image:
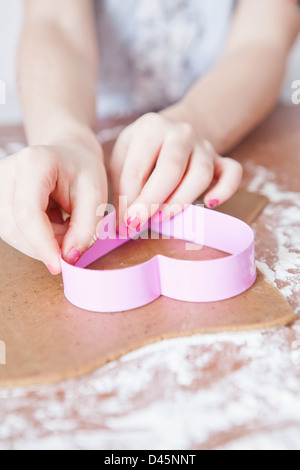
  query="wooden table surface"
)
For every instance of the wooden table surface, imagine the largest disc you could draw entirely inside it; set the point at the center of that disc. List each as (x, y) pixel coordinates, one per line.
(230, 391)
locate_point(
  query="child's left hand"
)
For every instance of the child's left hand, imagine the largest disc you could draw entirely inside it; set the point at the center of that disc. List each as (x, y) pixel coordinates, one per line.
(157, 161)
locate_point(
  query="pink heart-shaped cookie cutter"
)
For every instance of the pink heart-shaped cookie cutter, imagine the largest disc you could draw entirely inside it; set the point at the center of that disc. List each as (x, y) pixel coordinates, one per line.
(191, 281)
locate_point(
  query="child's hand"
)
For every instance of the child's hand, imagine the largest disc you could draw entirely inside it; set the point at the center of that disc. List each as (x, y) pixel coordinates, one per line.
(75, 178)
(159, 161)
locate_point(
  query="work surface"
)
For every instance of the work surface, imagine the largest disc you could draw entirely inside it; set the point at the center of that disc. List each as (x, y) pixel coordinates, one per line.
(216, 391)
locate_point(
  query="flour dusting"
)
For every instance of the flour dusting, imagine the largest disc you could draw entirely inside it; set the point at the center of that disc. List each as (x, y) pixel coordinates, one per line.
(197, 398)
(281, 219)
(228, 391)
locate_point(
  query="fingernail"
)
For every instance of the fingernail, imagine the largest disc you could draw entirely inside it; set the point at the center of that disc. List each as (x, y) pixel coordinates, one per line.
(159, 217)
(213, 203)
(134, 223)
(74, 256)
(52, 269)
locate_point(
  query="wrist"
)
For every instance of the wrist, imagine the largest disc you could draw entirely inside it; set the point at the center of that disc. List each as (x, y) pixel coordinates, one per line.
(177, 112)
(186, 111)
(64, 131)
(183, 112)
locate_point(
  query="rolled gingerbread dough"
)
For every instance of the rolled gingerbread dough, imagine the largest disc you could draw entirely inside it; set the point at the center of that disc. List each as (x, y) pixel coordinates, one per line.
(48, 340)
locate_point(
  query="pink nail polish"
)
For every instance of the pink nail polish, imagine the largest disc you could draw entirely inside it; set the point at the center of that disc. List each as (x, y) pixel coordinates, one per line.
(134, 223)
(74, 256)
(159, 217)
(213, 203)
(54, 271)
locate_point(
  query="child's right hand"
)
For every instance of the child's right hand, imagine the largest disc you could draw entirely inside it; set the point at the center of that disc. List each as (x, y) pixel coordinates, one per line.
(74, 176)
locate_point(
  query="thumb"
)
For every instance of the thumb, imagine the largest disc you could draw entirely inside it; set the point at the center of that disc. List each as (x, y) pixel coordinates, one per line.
(82, 233)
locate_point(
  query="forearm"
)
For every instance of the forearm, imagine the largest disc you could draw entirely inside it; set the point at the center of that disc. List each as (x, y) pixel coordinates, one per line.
(243, 87)
(57, 83)
(226, 104)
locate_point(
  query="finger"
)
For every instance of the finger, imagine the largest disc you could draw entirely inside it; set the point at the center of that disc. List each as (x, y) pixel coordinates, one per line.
(170, 169)
(197, 179)
(139, 162)
(9, 231)
(116, 167)
(117, 159)
(60, 231)
(86, 197)
(228, 174)
(30, 205)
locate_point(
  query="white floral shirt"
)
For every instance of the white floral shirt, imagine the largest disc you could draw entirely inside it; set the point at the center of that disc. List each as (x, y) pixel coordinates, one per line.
(152, 51)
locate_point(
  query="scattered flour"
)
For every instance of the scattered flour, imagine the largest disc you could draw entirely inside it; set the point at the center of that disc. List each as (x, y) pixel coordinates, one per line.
(230, 391)
(171, 395)
(282, 220)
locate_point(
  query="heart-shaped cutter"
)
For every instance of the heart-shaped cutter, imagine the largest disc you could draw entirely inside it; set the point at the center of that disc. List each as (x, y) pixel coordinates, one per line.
(191, 281)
